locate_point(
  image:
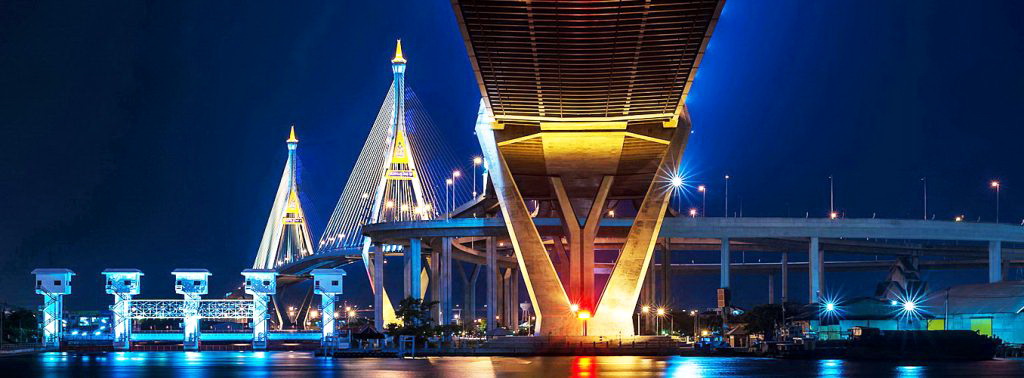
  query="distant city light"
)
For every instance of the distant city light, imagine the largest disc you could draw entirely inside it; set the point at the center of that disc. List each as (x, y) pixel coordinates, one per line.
(830, 307)
(833, 215)
(958, 218)
(894, 302)
(693, 213)
(994, 184)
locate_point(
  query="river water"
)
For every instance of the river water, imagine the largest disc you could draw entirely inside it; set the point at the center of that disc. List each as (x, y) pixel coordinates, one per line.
(301, 364)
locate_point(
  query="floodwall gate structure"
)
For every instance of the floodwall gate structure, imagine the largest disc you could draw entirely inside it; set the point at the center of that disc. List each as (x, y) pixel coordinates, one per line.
(583, 104)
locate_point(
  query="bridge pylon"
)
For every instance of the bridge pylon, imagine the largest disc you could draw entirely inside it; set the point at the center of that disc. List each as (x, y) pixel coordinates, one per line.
(286, 237)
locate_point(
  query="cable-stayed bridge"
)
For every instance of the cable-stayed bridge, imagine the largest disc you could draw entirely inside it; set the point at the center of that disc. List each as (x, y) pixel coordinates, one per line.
(405, 171)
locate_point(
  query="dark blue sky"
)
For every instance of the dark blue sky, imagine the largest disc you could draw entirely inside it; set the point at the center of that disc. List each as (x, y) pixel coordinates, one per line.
(151, 135)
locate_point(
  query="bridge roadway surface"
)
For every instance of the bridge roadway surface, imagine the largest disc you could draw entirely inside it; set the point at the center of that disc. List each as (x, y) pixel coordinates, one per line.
(895, 237)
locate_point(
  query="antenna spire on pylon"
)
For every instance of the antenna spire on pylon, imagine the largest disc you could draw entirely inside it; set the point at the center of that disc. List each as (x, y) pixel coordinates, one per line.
(398, 53)
(291, 137)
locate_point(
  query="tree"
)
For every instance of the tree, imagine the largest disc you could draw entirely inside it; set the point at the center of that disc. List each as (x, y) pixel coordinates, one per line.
(766, 319)
(416, 321)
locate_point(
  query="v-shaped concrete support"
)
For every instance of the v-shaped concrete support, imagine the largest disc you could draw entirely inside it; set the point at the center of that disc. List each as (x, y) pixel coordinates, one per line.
(614, 315)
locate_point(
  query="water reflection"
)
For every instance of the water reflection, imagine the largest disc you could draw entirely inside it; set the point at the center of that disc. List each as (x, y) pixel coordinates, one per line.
(267, 364)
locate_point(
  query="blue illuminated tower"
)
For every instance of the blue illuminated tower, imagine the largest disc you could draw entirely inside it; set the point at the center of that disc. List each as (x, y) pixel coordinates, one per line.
(53, 285)
(328, 284)
(192, 284)
(261, 284)
(286, 237)
(122, 284)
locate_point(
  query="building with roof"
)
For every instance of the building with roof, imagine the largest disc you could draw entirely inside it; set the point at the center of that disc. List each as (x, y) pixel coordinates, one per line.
(991, 309)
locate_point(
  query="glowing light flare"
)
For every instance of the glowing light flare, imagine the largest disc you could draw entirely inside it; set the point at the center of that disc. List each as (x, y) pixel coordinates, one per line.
(585, 314)
(660, 311)
(958, 218)
(676, 181)
(994, 184)
(833, 215)
(645, 309)
(456, 173)
(574, 307)
(693, 213)
(478, 160)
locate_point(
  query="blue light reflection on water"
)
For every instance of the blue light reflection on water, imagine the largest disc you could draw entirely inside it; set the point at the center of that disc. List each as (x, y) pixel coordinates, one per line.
(267, 364)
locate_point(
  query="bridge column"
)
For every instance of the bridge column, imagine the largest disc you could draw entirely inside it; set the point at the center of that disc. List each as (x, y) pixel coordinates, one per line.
(328, 284)
(446, 281)
(995, 261)
(726, 260)
(666, 274)
(378, 286)
(435, 279)
(491, 275)
(261, 284)
(192, 284)
(122, 284)
(469, 295)
(814, 257)
(514, 300)
(785, 277)
(771, 288)
(413, 258)
(53, 285)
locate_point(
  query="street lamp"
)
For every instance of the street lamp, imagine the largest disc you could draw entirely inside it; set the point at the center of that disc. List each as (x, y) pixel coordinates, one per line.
(693, 213)
(584, 315)
(995, 185)
(447, 189)
(476, 163)
(704, 199)
(677, 184)
(833, 215)
(645, 310)
(726, 196)
(661, 313)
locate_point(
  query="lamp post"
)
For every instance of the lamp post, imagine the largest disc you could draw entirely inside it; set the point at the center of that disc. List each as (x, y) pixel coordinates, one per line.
(704, 200)
(455, 175)
(924, 187)
(677, 184)
(476, 162)
(831, 198)
(645, 310)
(726, 196)
(661, 313)
(995, 185)
(447, 207)
(584, 315)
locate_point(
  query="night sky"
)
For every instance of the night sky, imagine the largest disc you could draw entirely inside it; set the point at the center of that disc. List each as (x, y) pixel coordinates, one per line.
(152, 135)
